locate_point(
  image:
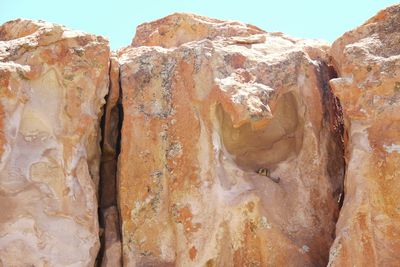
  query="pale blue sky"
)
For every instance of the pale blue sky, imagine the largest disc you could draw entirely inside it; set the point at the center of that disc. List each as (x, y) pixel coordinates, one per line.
(117, 19)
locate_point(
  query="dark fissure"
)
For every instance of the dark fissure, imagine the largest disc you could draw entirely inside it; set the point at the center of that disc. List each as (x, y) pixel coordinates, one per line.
(111, 125)
(334, 121)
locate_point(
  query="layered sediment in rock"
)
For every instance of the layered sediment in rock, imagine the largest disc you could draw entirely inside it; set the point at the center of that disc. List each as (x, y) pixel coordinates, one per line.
(52, 87)
(368, 63)
(204, 118)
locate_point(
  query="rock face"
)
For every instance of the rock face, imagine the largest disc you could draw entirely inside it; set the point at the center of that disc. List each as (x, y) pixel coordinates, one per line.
(212, 120)
(52, 87)
(368, 62)
(221, 145)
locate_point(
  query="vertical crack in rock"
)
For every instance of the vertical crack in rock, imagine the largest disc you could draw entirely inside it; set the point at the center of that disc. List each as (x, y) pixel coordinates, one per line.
(333, 114)
(110, 252)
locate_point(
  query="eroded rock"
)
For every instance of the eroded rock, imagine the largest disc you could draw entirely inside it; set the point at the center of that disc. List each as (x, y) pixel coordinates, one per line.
(202, 114)
(52, 87)
(230, 154)
(180, 28)
(368, 63)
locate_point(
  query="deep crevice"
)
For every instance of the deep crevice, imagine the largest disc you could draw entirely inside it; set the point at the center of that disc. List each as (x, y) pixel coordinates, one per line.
(338, 124)
(333, 114)
(118, 152)
(111, 125)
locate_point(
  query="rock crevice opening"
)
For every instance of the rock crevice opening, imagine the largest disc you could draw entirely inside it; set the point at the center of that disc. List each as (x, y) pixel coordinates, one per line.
(110, 253)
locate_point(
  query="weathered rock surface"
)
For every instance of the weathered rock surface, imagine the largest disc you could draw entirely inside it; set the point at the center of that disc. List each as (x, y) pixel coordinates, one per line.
(204, 111)
(222, 145)
(180, 28)
(52, 87)
(368, 62)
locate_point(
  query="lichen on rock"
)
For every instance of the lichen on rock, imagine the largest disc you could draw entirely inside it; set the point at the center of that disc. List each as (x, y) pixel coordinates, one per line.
(220, 145)
(228, 105)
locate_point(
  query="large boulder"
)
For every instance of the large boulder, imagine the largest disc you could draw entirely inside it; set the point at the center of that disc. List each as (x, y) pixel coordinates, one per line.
(231, 150)
(52, 87)
(368, 63)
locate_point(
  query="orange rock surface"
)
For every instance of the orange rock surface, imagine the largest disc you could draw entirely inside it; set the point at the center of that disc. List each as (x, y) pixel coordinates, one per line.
(368, 62)
(202, 115)
(180, 28)
(52, 87)
(220, 145)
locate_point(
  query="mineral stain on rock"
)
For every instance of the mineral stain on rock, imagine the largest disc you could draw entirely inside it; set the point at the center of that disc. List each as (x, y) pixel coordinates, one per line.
(203, 143)
(51, 100)
(239, 103)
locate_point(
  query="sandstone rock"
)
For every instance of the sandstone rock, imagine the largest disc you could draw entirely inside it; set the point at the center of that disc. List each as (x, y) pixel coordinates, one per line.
(202, 115)
(231, 151)
(180, 28)
(52, 87)
(368, 62)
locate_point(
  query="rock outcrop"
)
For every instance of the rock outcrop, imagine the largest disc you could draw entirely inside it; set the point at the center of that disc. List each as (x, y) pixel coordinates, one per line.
(180, 28)
(203, 115)
(52, 87)
(368, 63)
(220, 145)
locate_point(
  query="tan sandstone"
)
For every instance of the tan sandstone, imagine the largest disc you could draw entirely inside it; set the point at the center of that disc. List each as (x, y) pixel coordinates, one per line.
(221, 145)
(368, 63)
(206, 105)
(52, 87)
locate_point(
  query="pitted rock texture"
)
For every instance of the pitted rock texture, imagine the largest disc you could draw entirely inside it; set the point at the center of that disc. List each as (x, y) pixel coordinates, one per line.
(368, 62)
(52, 87)
(201, 117)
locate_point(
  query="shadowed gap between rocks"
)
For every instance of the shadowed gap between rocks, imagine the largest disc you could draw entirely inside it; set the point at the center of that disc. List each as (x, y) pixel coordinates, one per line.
(334, 114)
(109, 219)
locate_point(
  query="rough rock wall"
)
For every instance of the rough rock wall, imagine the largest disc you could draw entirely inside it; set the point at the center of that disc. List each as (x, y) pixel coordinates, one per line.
(52, 87)
(368, 62)
(202, 116)
(222, 145)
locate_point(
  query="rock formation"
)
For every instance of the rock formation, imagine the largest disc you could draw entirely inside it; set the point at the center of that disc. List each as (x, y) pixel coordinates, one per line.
(201, 116)
(368, 62)
(52, 87)
(221, 145)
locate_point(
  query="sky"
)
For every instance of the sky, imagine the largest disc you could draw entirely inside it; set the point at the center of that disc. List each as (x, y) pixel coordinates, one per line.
(117, 19)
